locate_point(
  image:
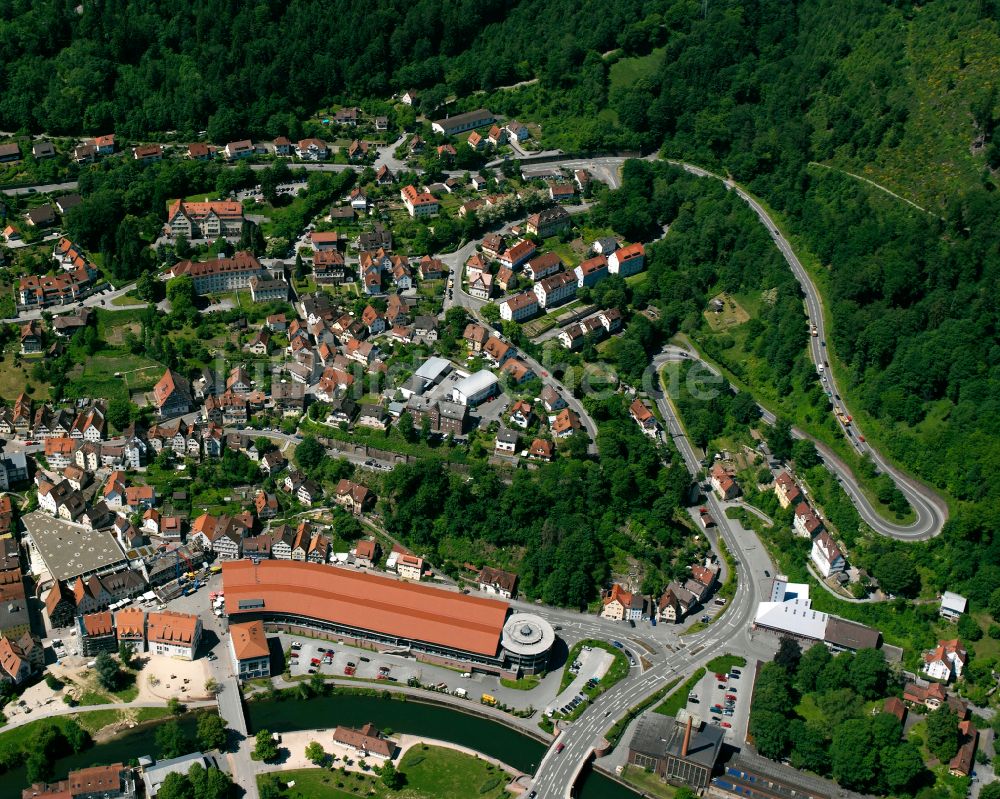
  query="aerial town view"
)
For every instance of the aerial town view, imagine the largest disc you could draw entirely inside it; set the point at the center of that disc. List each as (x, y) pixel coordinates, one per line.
(523, 400)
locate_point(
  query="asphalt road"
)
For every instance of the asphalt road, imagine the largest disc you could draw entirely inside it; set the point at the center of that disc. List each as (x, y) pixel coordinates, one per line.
(931, 510)
(557, 772)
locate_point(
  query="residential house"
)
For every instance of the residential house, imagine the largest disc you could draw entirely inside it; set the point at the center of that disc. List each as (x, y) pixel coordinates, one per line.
(555, 289)
(172, 395)
(204, 220)
(481, 286)
(551, 399)
(367, 553)
(722, 483)
(97, 633)
(547, 223)
(32, 341)
(521, 414)
(566, 423)
(541, 449)
(353, 497)
(476, 336)
(497, 582)
(312, 150)
(622, 605)
(249, 648)
(366, 742)
(199, 151)
(41, 150)
(543, 266)
(827, 555)
(591, 271)
(627, 261)
(506, 442)
(806, 523)
(517, 371)
(946, 661)
(419, 204)
(410, 567)
(786, 490)
(148, 153)
(518, 254)
(643, 417)
(952, 605)
(519, 307)
(237, 150)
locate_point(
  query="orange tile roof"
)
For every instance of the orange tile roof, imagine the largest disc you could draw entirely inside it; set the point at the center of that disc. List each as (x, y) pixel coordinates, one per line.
(171, 627)
(131, 622)
(381, 604)
(249, 640)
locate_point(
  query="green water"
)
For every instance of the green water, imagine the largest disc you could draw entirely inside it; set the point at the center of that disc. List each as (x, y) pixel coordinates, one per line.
(514, 748)
(416, 718)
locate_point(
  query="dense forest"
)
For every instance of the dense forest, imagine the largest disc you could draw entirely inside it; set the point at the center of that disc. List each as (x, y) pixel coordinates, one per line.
(256, 68)
(564, 520)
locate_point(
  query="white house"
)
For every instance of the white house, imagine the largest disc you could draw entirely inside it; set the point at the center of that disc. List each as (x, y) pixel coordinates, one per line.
(827, 555)
(952, 605)
(627, 261)
(520, 306)
(946, 661)
(555, 289)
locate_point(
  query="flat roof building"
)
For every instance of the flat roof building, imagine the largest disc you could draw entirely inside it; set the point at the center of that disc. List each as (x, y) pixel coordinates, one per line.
(475, 388)
(66, 551)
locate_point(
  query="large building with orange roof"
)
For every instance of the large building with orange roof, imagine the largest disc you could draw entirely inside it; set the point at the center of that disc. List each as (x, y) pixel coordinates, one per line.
(433, 624)
(205, 220)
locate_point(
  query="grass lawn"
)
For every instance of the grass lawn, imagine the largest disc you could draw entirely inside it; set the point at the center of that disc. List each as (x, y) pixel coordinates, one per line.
(648, 783)
(808, 710)
(525, 683)
(678, 698)
(724, 663)
(627, 71)
(431, 772)
(128, 298)
(15, 379)
(96, 377)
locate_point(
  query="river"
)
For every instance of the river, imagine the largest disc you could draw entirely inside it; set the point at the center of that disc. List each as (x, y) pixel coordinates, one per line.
(417, 718)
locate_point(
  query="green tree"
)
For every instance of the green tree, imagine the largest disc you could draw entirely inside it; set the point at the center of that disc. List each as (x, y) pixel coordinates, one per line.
(810, 748)
(490, 312)
(391, 778)
(903, 767)
(315, 753)
(147, 287)
(176, 786)
(211, 732)
(309, 453)
(869, 673)
(125, 654)
(119, 413)
(853, 761)
(108, 672)
(270, 787)
(773, 692)
(770, 733)
(405, 426)
(994, 606)
(180, 295)
(990, 790)
(804, 454)
(744, 408)
(265, 749)
(171, 740)
(779, 439)
(942, 733)
(896, 574)
(788, 655)
(175, 706)
(968, 628)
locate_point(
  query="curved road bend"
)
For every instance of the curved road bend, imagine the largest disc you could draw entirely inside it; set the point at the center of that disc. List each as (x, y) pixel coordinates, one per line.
(931, 510)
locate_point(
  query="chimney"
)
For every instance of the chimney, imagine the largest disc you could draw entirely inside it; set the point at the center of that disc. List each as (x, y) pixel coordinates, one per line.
(687, 737)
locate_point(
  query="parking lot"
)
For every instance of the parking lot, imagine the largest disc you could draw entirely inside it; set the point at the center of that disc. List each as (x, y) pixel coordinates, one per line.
(724, 702)
(332, 659)
(590, 667)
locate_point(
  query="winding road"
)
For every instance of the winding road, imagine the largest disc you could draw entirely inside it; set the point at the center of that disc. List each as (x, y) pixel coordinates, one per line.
(930, 509)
